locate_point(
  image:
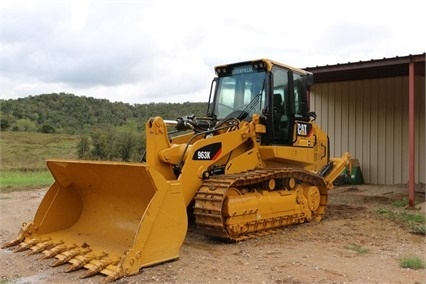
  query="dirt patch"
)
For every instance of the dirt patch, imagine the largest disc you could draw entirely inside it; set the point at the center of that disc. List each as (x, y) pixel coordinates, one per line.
(315, 252)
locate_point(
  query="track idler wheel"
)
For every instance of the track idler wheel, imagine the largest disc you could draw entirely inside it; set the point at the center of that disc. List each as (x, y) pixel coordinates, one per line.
(313, 196)
(290, 183)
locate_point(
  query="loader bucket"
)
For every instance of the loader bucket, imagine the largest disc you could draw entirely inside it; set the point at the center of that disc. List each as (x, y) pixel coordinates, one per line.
(110, 218)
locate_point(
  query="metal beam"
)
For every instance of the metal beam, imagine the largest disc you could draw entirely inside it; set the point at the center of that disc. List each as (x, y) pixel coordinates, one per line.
(411, 142)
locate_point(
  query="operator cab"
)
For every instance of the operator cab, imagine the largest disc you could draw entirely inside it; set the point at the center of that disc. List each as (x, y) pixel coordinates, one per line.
(277, 92)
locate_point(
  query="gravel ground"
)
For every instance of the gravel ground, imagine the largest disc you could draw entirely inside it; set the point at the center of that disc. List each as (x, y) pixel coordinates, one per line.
(315, 252)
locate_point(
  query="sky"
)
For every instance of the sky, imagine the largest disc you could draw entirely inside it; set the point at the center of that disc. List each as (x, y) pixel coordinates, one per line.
(144, 51)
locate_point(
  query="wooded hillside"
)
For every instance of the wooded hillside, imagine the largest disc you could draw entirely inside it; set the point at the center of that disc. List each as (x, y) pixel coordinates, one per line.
(107, 130)
(71, 114)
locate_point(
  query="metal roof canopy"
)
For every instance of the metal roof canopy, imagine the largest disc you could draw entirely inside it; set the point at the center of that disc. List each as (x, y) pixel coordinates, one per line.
(375, 68)
(410, 66)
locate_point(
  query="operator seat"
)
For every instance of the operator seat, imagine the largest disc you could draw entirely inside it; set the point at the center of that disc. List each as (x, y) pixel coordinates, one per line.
(280, 120)
(278, 110)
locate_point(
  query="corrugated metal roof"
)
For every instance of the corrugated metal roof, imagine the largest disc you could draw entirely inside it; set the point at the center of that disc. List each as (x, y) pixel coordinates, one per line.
(374, 68)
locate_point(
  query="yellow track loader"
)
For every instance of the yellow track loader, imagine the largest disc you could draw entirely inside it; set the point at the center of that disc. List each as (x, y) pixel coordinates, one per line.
(257, 161)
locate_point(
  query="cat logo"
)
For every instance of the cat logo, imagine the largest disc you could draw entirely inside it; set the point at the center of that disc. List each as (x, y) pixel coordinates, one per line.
(303, 129)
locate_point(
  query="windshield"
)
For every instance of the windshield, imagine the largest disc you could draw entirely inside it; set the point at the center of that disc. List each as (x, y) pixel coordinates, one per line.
(236, 91)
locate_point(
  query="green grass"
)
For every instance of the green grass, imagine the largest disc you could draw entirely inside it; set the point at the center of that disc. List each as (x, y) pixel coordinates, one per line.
(400, 203)
(415, 221)
(23, 180)
(23, 158)
(28, 151)
(412, 262)
(357, 248)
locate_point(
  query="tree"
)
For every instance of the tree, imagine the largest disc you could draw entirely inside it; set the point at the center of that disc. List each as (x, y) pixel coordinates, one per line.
(46, 128)
(100, 144)
(25, 124)
(4, 124)
(125, 145)
(83, 147)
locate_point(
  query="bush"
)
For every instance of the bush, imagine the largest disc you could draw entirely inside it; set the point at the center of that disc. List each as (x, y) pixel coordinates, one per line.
(4, 124)
(412, 262)
(83, 147)
(46, 128)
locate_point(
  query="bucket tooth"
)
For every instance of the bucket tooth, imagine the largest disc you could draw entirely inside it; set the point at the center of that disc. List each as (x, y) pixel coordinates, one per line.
(41, 247)
(20, 238)
(115, 275)
(12, 243)
(66, 256)
(96, 266)
(54, 251)
(81, 260)
(26, 245)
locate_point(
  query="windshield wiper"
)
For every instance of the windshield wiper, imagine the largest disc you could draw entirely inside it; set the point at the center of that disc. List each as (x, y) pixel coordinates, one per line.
(249, 107)
(252, 103)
